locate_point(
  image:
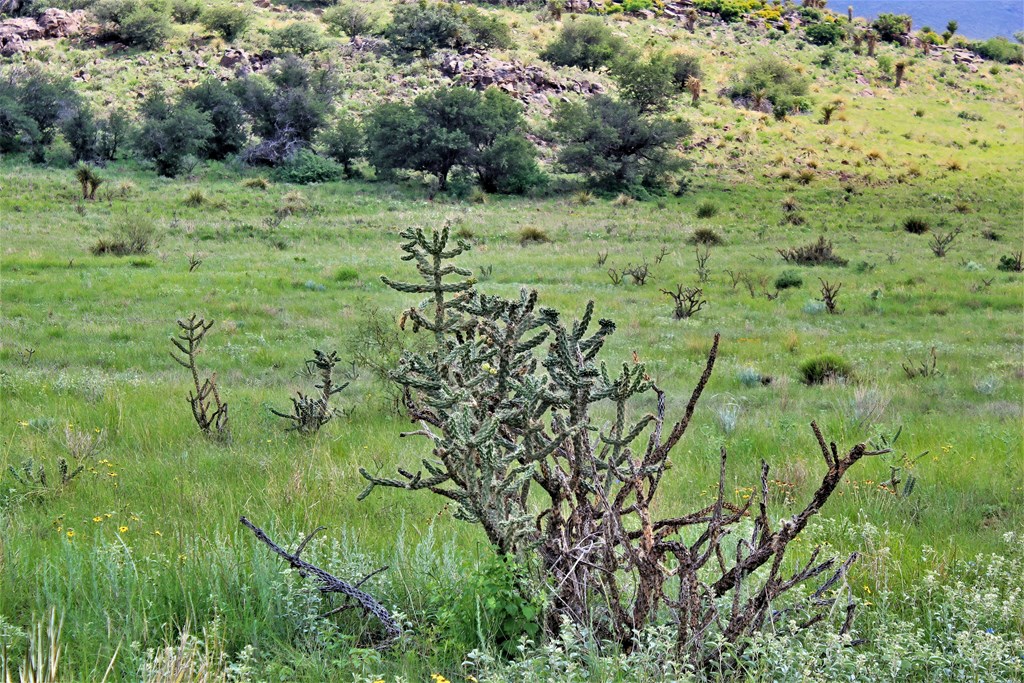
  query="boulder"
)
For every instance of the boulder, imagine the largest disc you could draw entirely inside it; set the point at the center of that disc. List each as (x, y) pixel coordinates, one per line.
(11, 45)
(23, 27)
(56, 23)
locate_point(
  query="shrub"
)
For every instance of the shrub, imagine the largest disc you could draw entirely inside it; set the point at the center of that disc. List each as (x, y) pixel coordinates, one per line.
(825, 33)
(586, 43)
(350, 19)
(129, 236)
(257, 183)
(824, 368)
(773, 81)
(346, 274)
(891, 26)
(228, 21)
(80, 131)
(916, 225)
(186, 11)
(344, 143)
(706, 236)
(1011, 263)
(171, 133)
(729, 10)
(305, 167)
(226, 115)
(134, 22)
(707, 209)
(615, 146)
(651, 83)
(423, 28)
(999, 49)
(298, 37)
(195, 198)
(32, 103)
(789, 279)
(455, 127)
(531, 234)
(814, 254)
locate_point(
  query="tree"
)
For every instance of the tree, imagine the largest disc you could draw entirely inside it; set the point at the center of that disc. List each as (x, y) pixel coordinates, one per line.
(344, 143)
(350, 19)
(81, 133)
(419, 30)
(298, 37)
(771, 80)
(825, 33)
(171, 133)
(586, 43)
(113, 131)
(454, 127)
(140, 23)
(32, 106)
(287, 107)
(227, 21)
(226, 116)
(891, 26)
(651, 83)
(614, 145)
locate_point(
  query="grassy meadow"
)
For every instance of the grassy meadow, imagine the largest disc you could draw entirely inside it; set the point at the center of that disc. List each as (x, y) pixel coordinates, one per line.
(145, 543)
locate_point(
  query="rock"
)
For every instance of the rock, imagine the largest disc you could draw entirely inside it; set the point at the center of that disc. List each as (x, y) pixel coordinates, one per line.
(12, 45)
(56, 23)
(22, 27)
(232, 58)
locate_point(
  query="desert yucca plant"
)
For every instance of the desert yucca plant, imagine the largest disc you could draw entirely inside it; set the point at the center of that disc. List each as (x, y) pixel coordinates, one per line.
(89, 180)
(195, 198)
(694, 86)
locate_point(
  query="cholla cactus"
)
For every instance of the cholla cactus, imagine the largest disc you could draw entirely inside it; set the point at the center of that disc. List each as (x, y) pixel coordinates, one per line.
(510, 399)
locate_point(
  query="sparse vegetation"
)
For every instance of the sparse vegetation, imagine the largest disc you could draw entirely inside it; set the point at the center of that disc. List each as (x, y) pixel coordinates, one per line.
(818, 253)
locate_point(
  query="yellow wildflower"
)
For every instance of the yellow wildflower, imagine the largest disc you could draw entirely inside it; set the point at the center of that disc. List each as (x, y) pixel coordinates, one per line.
(71, 533)
(97, 519)
(122, 529)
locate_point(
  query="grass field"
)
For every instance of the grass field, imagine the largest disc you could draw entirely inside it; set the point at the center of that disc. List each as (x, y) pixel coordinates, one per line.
(146, 540)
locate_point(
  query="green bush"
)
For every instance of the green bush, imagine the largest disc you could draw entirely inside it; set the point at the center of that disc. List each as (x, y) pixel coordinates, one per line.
(146, 25)
(186, 11)
(226, 20)
(789, 279)
(891, 26)
(729, 10)
(171, 133)
(772, 80)
(298, 37)
(350, 19)
(1000, 50)
(344, 143)
(707, 209)
(306, 167)
(651, 83)
(419, 30)
(825, 33)
(824, 368)
(614, 146)
(916, 225)
(32, 103)
(586, 43)
(226, 116)
(455, 128)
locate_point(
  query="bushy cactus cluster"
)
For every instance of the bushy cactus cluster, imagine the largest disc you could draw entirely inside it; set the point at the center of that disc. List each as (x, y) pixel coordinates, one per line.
(538, 442)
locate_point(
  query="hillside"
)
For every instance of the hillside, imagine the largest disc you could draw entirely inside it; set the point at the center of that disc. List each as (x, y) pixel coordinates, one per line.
(855, 243)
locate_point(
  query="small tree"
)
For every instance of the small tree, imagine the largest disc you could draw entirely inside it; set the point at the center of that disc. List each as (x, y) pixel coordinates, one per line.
(891, 26)
(615, 146)
(419, 30)
(226, 115)
(171, 132)
(345, 142)
(651, 83)
(586, 43)
(299, 37)
(81, 133)
(825, 33)
(771, 80)
(228, 21)
(455, 127)
(349, 19)
(134, 22)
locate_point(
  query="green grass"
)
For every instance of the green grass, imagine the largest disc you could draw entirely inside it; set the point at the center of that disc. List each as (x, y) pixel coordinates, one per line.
(100, 329)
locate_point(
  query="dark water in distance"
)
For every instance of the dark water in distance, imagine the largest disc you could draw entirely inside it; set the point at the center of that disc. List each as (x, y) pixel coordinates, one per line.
(977, 18)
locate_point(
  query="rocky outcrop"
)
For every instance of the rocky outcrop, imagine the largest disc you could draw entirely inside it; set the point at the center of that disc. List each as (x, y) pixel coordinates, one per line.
(15, 34)
(243, 63)
(530, 84)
